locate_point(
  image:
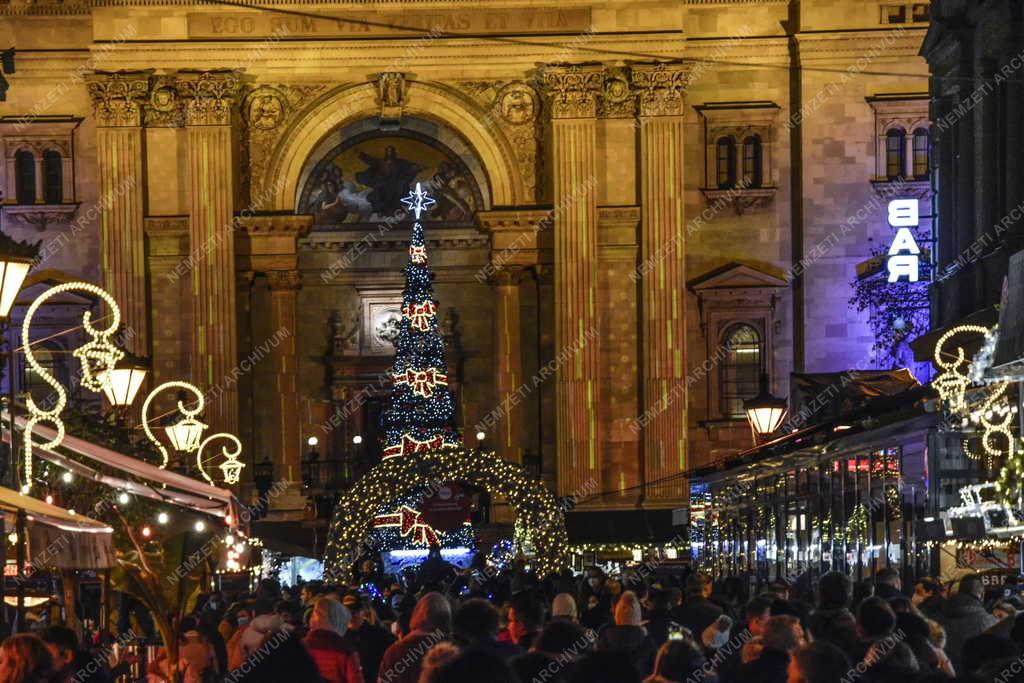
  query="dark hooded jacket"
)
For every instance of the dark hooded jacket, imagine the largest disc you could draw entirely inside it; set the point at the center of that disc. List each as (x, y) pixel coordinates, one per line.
(963, 616)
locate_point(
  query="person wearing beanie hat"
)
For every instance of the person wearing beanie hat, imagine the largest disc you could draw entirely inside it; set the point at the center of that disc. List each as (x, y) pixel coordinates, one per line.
(627, 636)
(336, 659)
(563, 608)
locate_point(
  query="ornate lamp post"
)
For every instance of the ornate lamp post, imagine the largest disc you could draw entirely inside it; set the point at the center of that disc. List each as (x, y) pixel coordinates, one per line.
(124, 381)
(765, 412)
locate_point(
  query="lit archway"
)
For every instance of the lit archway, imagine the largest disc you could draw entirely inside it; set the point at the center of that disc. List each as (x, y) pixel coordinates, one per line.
(535, 506)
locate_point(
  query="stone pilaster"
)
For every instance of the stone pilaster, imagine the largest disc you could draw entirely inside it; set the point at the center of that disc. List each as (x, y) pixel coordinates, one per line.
(663, 274)
(209, 100)
(269, 244)
(508, 368)
(572, 93)
(116, 100)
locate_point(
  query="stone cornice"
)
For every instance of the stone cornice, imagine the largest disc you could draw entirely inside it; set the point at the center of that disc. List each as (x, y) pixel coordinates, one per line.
(455, 238)
(280, 224)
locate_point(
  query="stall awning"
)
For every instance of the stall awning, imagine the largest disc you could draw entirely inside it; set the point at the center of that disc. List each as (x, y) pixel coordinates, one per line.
(58, 537)
(163, 485)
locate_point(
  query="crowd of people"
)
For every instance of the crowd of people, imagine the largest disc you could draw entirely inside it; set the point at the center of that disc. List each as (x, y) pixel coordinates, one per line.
(438, 624)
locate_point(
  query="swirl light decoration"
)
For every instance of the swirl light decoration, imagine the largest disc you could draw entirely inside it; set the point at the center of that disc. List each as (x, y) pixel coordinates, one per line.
(193, 426)
(98, 357)
(231, 467)
(994, 414)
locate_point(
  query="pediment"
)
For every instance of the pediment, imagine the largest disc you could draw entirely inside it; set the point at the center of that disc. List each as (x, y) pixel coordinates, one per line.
(735, 276)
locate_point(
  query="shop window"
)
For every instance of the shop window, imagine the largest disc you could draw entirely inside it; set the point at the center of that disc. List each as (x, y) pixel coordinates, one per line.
(922, 151)
(752, 169)
(725, 162)
(25, 177)
(894, 145)
(53, 177)
(740, 373)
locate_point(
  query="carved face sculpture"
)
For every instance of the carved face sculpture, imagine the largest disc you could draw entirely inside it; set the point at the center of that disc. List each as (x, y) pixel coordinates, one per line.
(265, 112)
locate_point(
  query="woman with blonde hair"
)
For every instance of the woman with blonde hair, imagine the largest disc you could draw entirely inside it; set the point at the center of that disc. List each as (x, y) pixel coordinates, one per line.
(24, 658)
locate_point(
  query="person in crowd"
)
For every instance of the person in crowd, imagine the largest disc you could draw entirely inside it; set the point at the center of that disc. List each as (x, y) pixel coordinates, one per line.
(62, 643)
(430, 623)
(198, 659)
(475, 626)
(435, 570)
(594, 601)
(875, 622)
(24, 658)
(818, 662)
(928, 597)
(474, 665)
(679, 661)
(281, 658)
(984, 648)
(335, 657)
(888, 583)
(783, 635)
(627, 636)
(832, 620)
(564, 641)
(525, 618)
(697, 612)
(563, 608)
(369, 638)
(861, 591)
(964, 616)
(659, 617)
(538, 666)
(604, 667)
(436, 657)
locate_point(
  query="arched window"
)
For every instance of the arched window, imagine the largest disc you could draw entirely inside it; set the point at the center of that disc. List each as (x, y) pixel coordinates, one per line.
(752, 161)
(922, 152)
(740, 371)
(53, 177)
(25, 177)
(725, 162)
(894, 146)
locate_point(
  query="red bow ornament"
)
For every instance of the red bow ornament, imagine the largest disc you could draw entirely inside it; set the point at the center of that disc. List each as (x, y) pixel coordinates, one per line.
(419, 315)
(422, 382)
(408, 520)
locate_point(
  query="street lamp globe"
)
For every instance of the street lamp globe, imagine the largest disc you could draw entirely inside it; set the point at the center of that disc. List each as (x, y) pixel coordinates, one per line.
(123, 382)
(765, 412)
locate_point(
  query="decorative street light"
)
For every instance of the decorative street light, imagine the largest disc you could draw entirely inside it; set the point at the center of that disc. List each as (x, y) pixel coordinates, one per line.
(16, 258)
(765, 412)
(185, 432)
(122, 383)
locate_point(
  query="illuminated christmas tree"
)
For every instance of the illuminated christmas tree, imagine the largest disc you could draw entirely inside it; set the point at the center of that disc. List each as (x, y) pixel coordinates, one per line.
(420, 413)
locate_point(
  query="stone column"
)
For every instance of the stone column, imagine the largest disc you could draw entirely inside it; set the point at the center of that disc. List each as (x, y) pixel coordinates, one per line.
(508, 367)
(209, 104)
(269, 244)
(573, 95)
(663, 276)
(116, 101)
(284, 290)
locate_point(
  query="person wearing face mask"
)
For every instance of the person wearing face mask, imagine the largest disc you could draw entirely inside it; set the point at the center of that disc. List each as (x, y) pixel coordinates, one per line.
(594, 599)
(927, 597)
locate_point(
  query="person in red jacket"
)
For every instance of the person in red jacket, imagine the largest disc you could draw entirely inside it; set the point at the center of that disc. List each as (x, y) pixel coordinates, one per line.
(334, 656)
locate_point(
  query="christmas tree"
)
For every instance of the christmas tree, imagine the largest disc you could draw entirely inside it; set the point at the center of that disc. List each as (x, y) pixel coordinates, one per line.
(420, 413)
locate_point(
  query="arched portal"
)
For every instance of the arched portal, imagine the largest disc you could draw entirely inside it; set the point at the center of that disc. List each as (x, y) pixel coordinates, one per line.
(288, 166)
(535, 506)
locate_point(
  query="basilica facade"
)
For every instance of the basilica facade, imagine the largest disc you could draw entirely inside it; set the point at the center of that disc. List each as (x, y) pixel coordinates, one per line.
(642, 208)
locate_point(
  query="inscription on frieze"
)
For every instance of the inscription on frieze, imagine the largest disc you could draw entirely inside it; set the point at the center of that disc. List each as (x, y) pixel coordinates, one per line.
(363, 24)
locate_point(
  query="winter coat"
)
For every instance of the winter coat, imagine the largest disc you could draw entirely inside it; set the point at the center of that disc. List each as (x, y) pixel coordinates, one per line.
(696, 613)
(963, 616)
(770, 667)
(632, 641)
(337, 661)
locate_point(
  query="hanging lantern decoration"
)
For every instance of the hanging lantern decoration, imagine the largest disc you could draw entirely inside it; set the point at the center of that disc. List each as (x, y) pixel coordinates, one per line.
(231, 456)
(122, 383)
(183, 433)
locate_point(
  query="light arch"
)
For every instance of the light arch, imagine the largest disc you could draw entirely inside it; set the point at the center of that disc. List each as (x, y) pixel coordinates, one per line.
(347, 106)
(535, 506)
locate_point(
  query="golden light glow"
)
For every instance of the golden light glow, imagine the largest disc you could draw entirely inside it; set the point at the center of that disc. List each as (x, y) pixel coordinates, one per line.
(184, 434)
(234, 468)
(98, 357)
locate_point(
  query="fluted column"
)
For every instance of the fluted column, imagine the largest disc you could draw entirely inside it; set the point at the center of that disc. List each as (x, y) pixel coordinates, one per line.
(508, 369)
(663, 274)
(116, 101)
(573, 97)
(209, 103)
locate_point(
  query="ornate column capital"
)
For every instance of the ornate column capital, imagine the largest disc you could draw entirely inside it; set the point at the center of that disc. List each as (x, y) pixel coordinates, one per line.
(661, 88)
(508, 275)
(210, 96)
(117, 97)
(284, 280)
(573, 90)
(618, 96)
